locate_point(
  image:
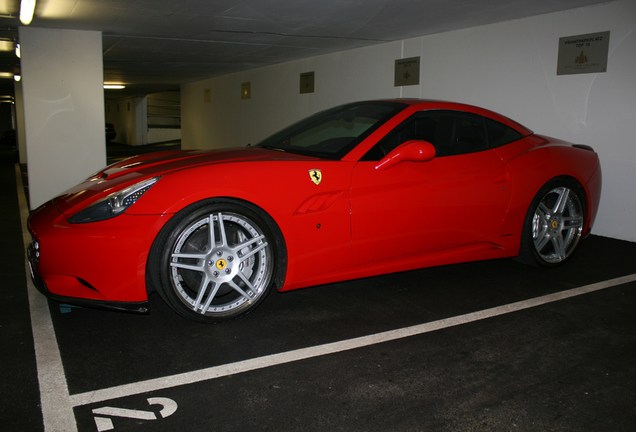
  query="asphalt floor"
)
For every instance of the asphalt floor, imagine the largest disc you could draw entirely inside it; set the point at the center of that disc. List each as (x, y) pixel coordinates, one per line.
(487, 346)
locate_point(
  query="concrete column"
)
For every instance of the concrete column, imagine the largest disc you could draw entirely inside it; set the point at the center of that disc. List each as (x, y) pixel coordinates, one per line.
(63, 97)
(19, 122)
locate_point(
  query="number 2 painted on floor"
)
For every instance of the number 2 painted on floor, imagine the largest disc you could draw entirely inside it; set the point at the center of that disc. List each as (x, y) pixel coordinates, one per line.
(168, 407)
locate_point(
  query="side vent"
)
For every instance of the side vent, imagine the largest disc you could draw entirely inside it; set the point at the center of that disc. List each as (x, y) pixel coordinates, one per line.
(318, 202)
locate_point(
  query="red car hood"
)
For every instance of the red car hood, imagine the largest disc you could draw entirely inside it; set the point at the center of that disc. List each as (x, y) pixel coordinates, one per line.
(159, 162)
(136, 168)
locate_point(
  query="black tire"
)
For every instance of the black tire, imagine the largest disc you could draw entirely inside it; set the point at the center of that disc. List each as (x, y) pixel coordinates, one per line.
(554, 224)
(216, 275)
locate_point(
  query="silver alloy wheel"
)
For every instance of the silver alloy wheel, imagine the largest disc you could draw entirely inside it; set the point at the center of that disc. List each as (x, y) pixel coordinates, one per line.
(557, 224)
(221, 264)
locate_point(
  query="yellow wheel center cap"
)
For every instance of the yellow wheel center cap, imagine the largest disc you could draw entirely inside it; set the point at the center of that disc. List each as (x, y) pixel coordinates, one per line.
(221, 264)
(555, 224)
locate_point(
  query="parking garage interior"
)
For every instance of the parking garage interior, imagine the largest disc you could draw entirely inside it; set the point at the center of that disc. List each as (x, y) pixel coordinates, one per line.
(493, 345)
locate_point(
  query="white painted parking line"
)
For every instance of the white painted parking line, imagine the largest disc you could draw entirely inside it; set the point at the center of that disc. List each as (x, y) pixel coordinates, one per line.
(331, 348)
(57, 411)
(57, 404)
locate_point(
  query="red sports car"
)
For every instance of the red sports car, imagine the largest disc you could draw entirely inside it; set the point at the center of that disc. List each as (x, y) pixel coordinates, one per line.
(358, 190)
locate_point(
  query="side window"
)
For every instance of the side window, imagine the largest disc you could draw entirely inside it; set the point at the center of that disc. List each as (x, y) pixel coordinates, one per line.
(469, 134)
(451, 132)
(499, 134)
(420, 126)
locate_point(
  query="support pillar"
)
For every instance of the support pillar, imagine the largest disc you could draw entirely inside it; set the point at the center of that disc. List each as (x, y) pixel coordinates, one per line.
(63, 100)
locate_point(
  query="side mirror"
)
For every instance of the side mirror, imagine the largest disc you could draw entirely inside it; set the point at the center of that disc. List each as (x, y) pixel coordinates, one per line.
(409, 151)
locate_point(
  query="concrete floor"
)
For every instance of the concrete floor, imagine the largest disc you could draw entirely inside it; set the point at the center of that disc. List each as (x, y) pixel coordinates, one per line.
(490, 346)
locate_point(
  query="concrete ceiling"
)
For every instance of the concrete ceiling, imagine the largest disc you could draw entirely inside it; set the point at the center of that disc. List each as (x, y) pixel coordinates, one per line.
(153, 45)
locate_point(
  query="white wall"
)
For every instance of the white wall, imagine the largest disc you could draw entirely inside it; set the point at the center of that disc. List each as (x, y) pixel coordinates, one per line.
(227, 120)
(509, 67)
(63, 100)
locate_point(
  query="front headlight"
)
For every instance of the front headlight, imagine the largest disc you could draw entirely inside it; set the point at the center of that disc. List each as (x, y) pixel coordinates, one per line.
(114, 203)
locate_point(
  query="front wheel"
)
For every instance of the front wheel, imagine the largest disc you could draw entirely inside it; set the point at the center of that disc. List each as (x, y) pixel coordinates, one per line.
(215, 261)
(554, 224)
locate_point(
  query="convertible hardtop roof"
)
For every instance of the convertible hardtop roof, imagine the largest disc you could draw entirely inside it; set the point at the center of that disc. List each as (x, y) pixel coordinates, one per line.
(423, 104)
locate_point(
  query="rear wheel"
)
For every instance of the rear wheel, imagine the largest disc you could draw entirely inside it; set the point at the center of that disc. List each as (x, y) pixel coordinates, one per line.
(215, 261)
(554, 224)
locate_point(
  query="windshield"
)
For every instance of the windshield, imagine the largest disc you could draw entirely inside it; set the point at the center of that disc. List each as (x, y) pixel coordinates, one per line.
(333, 133)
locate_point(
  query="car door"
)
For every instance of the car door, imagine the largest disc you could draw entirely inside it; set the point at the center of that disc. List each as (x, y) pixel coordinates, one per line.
(410, 209)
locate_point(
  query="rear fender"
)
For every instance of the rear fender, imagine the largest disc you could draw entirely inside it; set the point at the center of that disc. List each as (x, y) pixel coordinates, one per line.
(538, 161)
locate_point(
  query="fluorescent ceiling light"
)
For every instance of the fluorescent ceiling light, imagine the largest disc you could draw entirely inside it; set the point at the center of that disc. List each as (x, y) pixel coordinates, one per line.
(109, 86)
(6, 45)
(27, 7)
(10, 75)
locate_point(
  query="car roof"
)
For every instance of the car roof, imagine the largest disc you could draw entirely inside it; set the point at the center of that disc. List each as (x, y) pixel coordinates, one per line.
(436, 104)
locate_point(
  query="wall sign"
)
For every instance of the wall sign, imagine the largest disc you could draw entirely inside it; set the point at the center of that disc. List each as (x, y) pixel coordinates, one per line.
(586, 53)
(246, 90)
(407, 71)
(306, 82)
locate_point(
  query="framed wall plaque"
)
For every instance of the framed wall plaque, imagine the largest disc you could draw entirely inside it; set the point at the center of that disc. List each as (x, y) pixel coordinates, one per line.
(407, 71)
(307, 82)
(586, 53)
(246, 90)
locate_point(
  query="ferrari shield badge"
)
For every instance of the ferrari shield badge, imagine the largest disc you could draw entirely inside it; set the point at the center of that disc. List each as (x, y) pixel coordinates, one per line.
(315, 175)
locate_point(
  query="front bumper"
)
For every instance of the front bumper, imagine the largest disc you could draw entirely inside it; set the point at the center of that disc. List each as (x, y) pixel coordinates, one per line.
(101, 264)
(40, 284)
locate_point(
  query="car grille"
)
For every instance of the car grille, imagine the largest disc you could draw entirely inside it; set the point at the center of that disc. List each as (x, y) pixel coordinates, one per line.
(33, 255)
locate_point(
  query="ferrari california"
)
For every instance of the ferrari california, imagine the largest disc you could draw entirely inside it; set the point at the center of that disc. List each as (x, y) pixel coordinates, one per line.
(355, 191)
